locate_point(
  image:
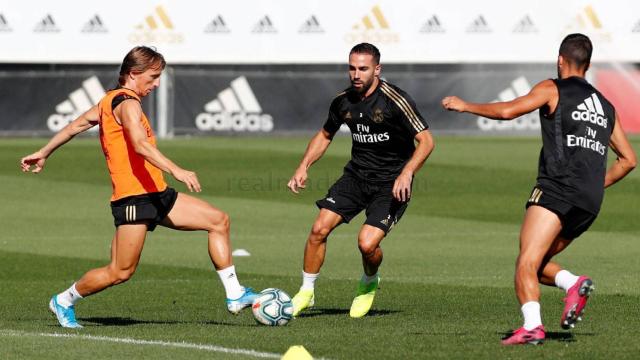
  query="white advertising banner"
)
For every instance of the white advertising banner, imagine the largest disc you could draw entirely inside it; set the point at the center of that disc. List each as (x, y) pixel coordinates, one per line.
(314, 31)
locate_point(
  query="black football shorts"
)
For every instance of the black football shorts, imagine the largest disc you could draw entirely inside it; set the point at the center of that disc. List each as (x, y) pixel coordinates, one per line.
(350, 195)
(149, 208)
(574, 220)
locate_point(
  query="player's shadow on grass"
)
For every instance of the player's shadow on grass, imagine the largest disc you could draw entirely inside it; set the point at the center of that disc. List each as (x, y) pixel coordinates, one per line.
(560, 336)
(565, 337)
(120, 321)
(333, 311)
(214, 322)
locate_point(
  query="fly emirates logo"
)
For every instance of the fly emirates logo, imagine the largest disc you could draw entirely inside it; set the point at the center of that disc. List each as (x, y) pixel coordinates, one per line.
(590, 110)
(363, 136)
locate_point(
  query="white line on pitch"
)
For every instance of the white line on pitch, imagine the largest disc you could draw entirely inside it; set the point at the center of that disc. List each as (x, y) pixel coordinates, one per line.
(185, 345)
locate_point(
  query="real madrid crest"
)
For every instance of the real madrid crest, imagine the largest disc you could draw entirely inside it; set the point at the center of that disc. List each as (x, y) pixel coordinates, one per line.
(378, 116)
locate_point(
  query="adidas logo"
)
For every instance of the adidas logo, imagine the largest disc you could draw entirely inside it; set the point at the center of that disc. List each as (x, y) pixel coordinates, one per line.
(367, 24)
(311, 26)
(388, 221)
(519, 87)
(157, 28)
(4, 25)
(47, 24)
(94, 25)
(636, 28)
(373, 28)
(78, 102)
(234, 109)
(479, 25)
(264, 26)
(525, 26)
(153, 23)
(432, 25)
(217, 26)
(590, 110)
(586, 19)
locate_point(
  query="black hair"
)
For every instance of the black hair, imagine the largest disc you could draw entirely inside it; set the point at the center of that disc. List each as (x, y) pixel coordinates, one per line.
(366, 48)
(577, 49)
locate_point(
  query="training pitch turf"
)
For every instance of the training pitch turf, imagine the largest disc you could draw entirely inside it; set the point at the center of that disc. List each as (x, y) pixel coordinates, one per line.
(446, 289)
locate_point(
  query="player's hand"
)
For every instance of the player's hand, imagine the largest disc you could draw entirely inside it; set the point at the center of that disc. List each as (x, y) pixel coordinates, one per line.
(402, 187)
(298, 180)
(37, 160)
(189, 178)
(454, 103)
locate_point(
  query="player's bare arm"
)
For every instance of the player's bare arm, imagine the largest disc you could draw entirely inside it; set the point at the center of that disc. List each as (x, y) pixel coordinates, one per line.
(626, 160)
(129, 114)
(316, 148)
(81, 124)
(544, 93)
(402, 185)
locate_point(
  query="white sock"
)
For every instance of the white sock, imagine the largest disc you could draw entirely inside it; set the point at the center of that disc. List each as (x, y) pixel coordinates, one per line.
(309, 280)
(531, 314)
(69, 297)
(230, 282)
(565, 280)
(366, 279)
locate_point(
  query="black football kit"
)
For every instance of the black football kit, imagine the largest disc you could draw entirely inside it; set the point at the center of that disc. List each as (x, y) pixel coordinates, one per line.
(573, 159)
(383, 128)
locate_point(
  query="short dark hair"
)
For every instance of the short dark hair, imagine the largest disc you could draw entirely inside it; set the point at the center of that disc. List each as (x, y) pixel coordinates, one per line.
(139, 60)
(577, 48)
(366, 48)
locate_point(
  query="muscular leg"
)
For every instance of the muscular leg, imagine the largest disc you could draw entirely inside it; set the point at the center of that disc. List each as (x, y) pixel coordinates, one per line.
(539, 231)
(316, 246)
(549, 269)
(125, 254)
(314, 252)
(547, 274)
(191, 213)
(369, 240)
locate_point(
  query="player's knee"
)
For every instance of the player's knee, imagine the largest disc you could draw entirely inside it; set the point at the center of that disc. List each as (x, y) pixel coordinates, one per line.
(124, 276)
(367, 247)
(119, 276)
(525, 263)
(221, 222)
(319, 232)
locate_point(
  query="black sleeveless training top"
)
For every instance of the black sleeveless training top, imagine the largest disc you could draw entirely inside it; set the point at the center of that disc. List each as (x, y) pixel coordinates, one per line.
(575, 140)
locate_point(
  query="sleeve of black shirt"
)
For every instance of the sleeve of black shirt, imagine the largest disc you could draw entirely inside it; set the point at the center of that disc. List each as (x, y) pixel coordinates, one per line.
(333, 123)
(408, 113)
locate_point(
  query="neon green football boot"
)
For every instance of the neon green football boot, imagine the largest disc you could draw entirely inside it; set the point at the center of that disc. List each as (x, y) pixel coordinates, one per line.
(364, 298)
(302, 300)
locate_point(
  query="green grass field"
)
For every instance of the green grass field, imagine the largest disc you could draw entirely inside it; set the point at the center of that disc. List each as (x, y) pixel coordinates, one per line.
(446, 288)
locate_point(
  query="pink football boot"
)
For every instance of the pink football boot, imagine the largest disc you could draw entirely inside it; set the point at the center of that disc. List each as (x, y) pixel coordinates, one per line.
(522, 336)
(575, 302)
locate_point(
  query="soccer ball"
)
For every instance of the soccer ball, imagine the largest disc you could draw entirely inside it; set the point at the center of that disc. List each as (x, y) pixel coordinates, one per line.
(272, 307)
